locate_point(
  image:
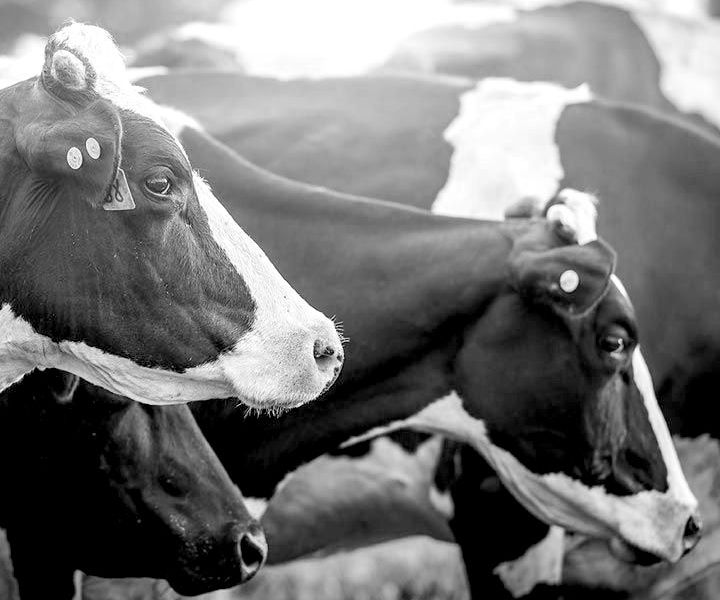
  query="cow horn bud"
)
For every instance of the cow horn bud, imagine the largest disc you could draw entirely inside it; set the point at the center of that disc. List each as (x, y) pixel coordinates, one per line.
(68, 70)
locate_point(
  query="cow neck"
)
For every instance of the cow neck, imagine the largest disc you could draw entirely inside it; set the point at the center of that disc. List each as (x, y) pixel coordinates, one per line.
(405, 282)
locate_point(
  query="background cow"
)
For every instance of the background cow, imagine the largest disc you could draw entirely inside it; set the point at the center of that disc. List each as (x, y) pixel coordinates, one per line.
(125, 490)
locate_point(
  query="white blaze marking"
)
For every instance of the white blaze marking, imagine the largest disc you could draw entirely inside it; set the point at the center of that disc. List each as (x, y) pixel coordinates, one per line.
(273, 364)
(541, 563)
(651, 520)
(504, 146)
(689, 55)
(678, 486)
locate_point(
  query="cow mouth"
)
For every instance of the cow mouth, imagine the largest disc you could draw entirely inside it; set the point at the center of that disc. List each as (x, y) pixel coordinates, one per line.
(629, 553)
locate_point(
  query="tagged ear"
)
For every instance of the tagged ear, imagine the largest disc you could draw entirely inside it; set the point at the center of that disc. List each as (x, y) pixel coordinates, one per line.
(572, 279)
(81, 152)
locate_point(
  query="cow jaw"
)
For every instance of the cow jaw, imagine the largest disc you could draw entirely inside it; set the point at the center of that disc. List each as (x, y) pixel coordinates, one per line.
(652, 521)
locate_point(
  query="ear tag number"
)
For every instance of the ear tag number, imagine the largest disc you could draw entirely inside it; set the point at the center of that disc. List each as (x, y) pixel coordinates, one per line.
(119, 197)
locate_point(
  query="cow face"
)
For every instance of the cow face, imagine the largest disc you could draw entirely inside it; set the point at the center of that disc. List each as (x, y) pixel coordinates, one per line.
(574, 423)
(119, 265)
(136, 490)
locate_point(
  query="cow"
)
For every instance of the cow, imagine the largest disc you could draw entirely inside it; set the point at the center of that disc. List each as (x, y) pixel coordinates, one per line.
(125, 489)
(191, 46)
(440, 307)
(391, 142)
(118, 264)
(475, 150)
(632, 55)
(416, 337)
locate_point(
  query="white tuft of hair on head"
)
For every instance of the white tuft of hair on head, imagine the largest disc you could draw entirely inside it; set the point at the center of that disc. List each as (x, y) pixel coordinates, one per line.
(577, 213)
(68, 70)
(98, 48)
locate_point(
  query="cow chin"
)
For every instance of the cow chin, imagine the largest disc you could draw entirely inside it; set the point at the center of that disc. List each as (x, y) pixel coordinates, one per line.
(632, 554)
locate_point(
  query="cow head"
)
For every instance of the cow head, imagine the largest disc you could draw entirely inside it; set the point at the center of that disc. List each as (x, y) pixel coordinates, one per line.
(127, 489)
(119, 265)
(580, 412)
(572, 426)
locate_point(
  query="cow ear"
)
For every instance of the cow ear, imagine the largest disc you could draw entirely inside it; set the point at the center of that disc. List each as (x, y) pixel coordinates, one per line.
(79, 153)
(571, 279)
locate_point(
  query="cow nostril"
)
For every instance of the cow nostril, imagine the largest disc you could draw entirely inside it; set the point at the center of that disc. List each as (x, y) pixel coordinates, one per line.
(693, 533)
(252, 549)
(322, 350)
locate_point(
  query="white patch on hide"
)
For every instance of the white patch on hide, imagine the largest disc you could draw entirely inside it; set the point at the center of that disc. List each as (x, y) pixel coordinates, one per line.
(541, 563)
(504, 146)
(689, 55)
(256, 507)
(651, 520)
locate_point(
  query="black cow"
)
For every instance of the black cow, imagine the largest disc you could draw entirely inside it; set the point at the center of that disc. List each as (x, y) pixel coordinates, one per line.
(119, 489)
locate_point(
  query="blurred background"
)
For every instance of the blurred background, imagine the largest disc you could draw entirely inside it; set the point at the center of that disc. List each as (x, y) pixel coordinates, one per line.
(322, 38)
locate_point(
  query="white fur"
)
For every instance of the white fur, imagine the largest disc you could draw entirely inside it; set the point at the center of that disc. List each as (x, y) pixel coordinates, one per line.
(256, 507)
(504, 147)
(541, 563)
(651, 520)
(578, 213)
(678, 486)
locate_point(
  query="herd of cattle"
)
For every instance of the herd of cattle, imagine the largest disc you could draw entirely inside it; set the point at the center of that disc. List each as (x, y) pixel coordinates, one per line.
(164, 378)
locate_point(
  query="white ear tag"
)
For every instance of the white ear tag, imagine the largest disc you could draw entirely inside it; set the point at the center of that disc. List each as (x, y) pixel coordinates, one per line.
(74, 158)
(119, 197)
(569, 281)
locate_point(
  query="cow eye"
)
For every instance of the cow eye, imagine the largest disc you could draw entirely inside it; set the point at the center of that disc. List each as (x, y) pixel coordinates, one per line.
(615, 342)
(159, 185)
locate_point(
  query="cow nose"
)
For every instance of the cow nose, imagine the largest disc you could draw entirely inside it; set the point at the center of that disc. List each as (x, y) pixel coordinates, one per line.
(693, 533)
(252, 549)
(327, 356)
